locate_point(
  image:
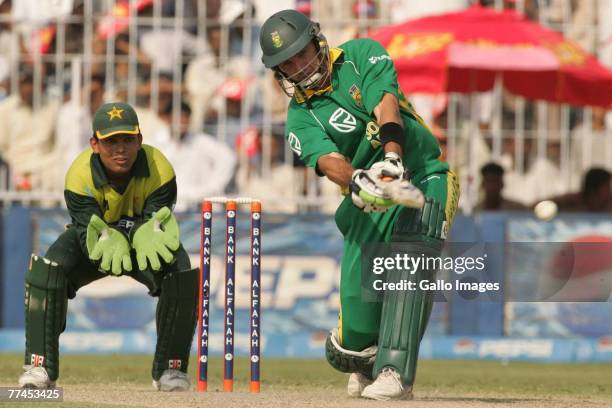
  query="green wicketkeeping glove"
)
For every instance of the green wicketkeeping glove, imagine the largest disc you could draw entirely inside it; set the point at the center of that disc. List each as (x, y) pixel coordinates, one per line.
(157, 237)
(110, 245)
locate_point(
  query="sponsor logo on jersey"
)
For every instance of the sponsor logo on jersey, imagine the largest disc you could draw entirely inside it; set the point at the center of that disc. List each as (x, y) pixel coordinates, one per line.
(175, 364)
(374, 59)
(277, 41)
(343, 121)
(373, 134)
(37, 360)
(355, 94)
(294, 143)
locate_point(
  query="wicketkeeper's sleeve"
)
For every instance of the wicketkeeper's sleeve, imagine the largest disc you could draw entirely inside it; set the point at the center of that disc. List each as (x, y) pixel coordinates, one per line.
(81, 208)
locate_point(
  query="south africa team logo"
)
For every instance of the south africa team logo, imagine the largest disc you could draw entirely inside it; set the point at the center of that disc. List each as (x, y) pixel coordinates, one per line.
(355, 94)
(276, 40)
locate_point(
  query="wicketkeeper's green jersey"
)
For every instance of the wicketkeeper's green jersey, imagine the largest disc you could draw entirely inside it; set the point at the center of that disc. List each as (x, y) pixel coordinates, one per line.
(341, 119)
(88, 191)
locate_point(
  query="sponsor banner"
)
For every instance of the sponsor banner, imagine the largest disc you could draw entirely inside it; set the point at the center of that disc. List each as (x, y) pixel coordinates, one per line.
(311, 345)
(571, 254)
(517, 349)
(300, 273)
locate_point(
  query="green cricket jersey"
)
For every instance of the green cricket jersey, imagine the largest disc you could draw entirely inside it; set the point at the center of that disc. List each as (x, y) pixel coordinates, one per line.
(88, 191)
(341, 119)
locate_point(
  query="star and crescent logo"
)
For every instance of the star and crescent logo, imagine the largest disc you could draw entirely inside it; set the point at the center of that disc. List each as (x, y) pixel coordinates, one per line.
(114, 113)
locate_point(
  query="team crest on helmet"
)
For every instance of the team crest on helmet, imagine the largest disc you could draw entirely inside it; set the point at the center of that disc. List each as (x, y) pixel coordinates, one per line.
(355, 94)
(277, 41)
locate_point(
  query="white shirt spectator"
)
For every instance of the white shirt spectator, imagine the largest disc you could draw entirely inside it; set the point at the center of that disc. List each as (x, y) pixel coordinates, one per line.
(26, 140)
(162, 47)
(203, 166)
(72, 132)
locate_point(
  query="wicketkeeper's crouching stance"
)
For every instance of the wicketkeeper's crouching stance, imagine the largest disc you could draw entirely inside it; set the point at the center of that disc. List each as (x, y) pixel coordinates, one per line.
(119, 194)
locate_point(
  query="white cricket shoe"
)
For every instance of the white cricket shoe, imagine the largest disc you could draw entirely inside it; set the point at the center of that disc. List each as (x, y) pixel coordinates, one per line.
(172, 380)
(388, 386)
(356, 383)
(35, 377)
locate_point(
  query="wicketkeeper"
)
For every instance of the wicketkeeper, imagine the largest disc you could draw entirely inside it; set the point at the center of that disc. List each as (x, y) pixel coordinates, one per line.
(120, 195)
(349, 120)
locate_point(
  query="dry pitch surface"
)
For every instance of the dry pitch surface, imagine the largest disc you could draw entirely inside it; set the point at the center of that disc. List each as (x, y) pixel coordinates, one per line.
(122, 381)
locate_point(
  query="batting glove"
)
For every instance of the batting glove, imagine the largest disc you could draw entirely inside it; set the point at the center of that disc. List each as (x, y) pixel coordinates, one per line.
(367, 193)
(391, 167)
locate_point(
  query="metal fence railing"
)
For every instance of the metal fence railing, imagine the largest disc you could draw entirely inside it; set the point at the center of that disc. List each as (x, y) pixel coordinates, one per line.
(160, 56)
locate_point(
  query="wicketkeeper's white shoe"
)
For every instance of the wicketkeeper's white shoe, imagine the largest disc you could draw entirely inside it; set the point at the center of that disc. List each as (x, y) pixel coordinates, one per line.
(35, 377)
(388, 386)
(172, 380)
(356, 383)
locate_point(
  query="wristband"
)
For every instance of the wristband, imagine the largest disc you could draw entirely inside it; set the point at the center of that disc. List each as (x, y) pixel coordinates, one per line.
(392, 132)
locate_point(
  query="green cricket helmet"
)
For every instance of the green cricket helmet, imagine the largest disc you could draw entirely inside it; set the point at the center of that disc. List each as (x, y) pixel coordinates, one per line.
(285, 34)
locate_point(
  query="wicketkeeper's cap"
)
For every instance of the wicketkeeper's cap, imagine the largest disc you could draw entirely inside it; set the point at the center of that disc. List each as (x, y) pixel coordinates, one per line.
(115, 118)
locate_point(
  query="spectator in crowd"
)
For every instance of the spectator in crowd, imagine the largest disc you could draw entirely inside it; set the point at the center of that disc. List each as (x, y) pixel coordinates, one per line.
(5, 176)
(5, 47)
(591, 145)
(236, 100)
(595, 195)
(492, 186)
(597, 191)
(4, 78)
(208, 71)
(26, 136)
(365, 13)
(9, 50)
(73, 125)
(283, 175)
(203, 166)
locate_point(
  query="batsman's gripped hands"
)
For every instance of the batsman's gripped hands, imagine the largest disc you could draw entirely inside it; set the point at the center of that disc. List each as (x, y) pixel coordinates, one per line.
(391, 166)
(156, 238)
(106, 243)
(384, 185)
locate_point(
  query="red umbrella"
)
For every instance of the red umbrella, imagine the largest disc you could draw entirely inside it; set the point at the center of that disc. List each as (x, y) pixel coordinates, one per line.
(464, 51)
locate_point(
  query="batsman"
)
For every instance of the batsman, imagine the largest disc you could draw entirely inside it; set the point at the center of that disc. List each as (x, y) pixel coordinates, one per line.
(120, 194)
(349, 120)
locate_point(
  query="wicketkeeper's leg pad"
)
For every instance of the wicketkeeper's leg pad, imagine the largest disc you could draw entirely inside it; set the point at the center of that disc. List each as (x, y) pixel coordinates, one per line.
(348, 361)
(176, 318)
(46, 304)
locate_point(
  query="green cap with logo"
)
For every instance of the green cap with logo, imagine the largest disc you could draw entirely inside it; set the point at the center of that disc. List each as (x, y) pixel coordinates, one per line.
(115, 118)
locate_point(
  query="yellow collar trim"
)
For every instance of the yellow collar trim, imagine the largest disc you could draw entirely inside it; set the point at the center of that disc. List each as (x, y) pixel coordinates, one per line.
(334, 54)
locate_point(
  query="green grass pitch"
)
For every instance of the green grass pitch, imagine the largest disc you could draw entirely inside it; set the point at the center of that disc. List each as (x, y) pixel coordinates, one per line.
(124, 380)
